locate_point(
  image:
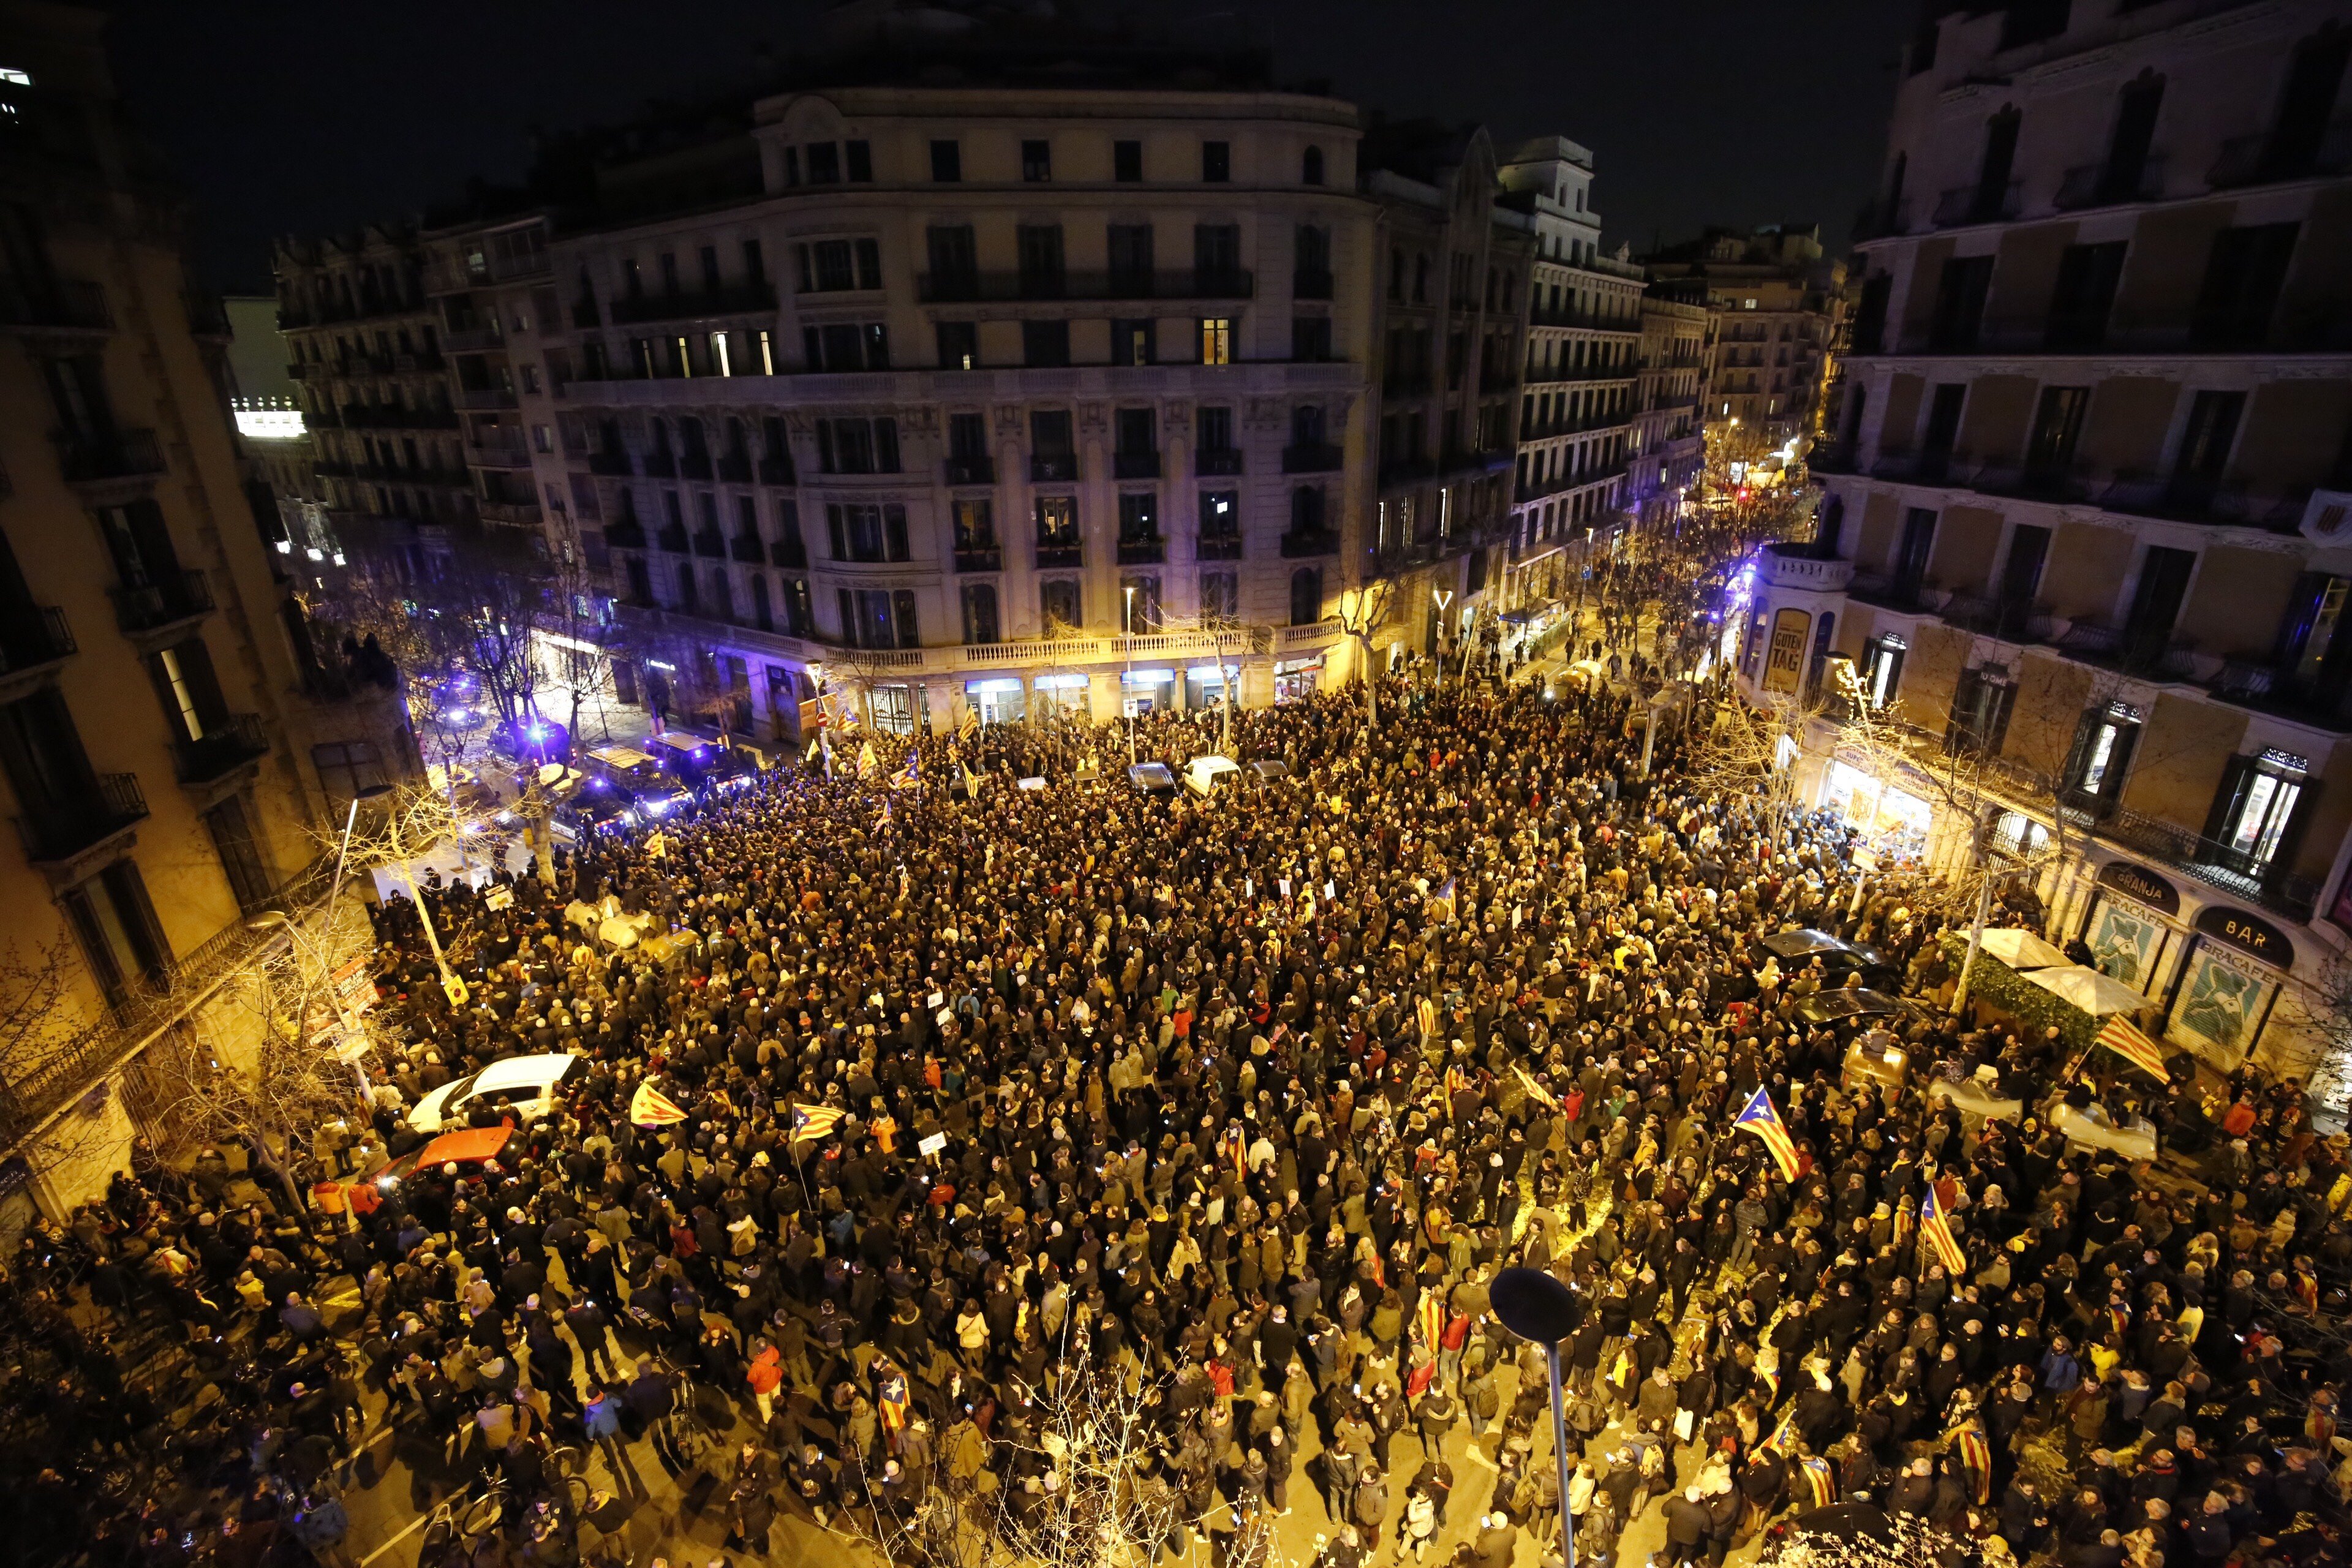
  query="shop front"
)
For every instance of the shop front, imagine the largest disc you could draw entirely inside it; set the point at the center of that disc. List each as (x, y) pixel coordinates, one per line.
(1145, 691)
(1899, 823)
(1204, 685)
(2229, 979)
(998, 700)
(897, 709)
(1063, 696)
(1295, 678)
(2130, 924)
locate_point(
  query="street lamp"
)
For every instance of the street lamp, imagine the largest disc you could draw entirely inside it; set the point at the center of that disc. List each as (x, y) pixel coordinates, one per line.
(1126, 677)
(1443, 598)
(1536, 1306)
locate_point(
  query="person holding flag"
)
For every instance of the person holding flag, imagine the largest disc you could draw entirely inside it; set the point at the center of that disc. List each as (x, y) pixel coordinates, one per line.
(912, 776)
(1441, 901)
(1763, 1120)
(1937, 1230)
(868, 765)
(813, 1121)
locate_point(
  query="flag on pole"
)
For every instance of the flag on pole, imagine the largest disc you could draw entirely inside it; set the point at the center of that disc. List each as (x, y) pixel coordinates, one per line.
(649, 1107)
(1760, 1119)
(1938, 1231)
(971, 781)
(2134, 1047)
(1783, 1433)
(814, 1121)
(814, 747)
(912, 776)
(1444, 898)
(971, 725)
(868, 765)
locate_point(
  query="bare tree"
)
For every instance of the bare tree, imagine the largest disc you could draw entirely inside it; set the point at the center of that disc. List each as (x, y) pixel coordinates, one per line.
(1362, 613)
(1087, 1456)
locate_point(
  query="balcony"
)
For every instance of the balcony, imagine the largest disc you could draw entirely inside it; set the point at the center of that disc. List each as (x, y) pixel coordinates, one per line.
(2262, 159)
(2214, 863)
(472, 339)
(1309, 283)
(1142, 551)
(510, 513)
(56, 836)
(1310, 457)
(627, 533)
(1877, 219)
(611, 464)
(971, 470)
(483, 398)
(695, 466)
(94, 458)
(1135, 465)
(708, 543)
(1298, 543)
(735, 468)
(1209, 462)
(672, 538)
(737, 300)
(229, 743)
(1053, 467)
(1904, 595)
(1009, 287)
(2009, 620)
(61, 308)
(165, 605)
(789, 553)
(1219, 547)
(1050, 556)
(747, 548)
(2150, 653)
(512, 454)
(1978, 203)
(2097, 186)
(661, 463)
(981, 557)
(775, 469)
(1795, 566)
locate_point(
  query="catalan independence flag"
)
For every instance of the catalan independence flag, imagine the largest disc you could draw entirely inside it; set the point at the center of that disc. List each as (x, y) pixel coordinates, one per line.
(868, 765)
(890, 1399)
(1760, 1119)
(1429, 1320)
(1445, 897)
(1938, 1231)
(1784, 1435)
(1976, 1456)
(814, 1121)
(2134, 1047)
(912, 776)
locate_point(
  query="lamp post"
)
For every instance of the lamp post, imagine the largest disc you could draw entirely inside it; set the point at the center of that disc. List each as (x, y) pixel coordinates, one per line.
(1536, 1306)
(1127, 676)
(1443, 597)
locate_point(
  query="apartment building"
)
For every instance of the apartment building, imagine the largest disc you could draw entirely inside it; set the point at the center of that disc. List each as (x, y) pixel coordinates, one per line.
(1580, 401)
(1669, 448)
(1447, 346)
(2085, 519)
(1778, 301)
(983, 398)
(144, 643)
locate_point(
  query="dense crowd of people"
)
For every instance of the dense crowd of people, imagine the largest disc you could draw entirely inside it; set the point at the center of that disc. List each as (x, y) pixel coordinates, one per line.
(1223, 1114)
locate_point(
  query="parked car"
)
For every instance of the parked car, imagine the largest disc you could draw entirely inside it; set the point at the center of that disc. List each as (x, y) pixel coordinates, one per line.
(520, 1087)
(1209, 775)
(468, 1148)
(581, 803)
(1839, 958)
(646, 781)
(704, 764)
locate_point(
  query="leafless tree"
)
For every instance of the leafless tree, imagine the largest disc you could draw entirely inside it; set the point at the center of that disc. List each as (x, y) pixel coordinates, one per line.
(1362, 613)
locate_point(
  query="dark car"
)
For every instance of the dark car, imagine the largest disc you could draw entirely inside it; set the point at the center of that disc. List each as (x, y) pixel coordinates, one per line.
(705, 764)
(1838, 957)
(585, 802)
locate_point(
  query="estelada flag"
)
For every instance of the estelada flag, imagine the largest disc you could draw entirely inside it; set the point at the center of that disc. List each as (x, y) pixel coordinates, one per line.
(1938, 1232)
(649, 1107)
(1782, 1434)
(1760, 1119)
(2134, 1047)
(868, 765)
(814, 1121)
(1976, 1456)
(1429, 1320)
(890, 1397)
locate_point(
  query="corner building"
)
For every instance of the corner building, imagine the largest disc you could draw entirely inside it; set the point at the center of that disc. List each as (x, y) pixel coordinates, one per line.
(1013, 401)
(2085, 512)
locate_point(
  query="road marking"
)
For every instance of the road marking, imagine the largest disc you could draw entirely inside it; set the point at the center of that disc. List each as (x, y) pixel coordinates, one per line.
(414, 1526)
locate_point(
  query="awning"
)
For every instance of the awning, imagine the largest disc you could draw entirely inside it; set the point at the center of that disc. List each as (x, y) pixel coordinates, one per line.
(2088, 990)
(2022, 949)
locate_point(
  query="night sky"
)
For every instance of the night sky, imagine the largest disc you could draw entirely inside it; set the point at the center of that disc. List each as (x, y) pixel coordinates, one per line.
(309, 119)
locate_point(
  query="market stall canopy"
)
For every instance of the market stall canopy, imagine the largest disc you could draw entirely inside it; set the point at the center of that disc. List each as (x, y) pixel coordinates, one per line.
(2088, 990)
(2022, 949)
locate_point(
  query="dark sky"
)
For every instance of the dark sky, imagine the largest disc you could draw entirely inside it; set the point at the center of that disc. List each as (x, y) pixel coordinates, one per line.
(288, 118)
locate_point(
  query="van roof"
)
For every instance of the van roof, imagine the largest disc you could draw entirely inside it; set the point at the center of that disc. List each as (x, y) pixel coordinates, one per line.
(620, 756)
(520, 1072)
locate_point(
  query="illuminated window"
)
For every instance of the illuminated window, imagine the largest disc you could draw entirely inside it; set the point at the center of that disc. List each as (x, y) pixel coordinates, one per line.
(1216, 339)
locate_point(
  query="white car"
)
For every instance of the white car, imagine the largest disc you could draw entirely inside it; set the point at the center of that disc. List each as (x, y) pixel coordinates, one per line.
(523, 1087)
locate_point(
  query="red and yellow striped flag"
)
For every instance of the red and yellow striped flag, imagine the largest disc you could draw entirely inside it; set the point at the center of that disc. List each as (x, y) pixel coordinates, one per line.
(1938, 1232)
(2134, 1047)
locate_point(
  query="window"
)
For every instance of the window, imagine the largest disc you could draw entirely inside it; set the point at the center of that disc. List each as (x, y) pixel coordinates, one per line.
(2313, 654)
(1882, 668)
(947, 162)
(1305, 596)
(2255, 815)
(1310, 166)
(1310, 339)
(1133, 434)
(1217, 257)
(859, 156)
(1039, 248)
(1036, 161)
(689, 597)
(790, 550)
(823, 162)
(2084, 295)
(2121, 180)
(2243, 274)
(121, 941)
(1216, 162)
(1130, 259)
(1220, 596)
(1216, 427)
(858, 445)
(1139, 518)
(763, 613)
(1139, 603)
(184, 682)
(1059, 604)
(980, 613)
(1127, 161)
(1216, 339)
(2021, 574)
(1058, 522)
(1979, 716)
(799, 612)
(966, 439)
(841, 347)
(878, 618)
(2100, 755)
(1045, 343)
(867, 531)
(1959, 303)
(975, 524)
(2057, 425)
(958, 345)
(1131, 342)
(1221, 525)
(954, 262)
(838, 266)
(1943, 429)
(2156, 603)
